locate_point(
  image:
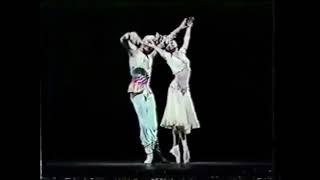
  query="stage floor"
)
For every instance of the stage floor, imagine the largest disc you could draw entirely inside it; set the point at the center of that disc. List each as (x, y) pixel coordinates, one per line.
(135, 170)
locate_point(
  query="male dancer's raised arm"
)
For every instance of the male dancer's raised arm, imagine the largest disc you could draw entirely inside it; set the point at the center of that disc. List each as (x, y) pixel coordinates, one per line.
(163, 53)
(131, 41)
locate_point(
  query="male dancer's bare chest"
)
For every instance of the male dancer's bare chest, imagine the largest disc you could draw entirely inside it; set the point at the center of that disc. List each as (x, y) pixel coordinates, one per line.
(141, 66)
(140, 60)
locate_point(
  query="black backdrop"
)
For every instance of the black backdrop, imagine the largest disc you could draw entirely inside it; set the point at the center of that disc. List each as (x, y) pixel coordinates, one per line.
(87, 114)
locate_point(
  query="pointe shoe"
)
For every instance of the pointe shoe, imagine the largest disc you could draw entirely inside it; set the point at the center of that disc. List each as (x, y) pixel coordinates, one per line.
(186, 152)
(186, 156)
(176, 152)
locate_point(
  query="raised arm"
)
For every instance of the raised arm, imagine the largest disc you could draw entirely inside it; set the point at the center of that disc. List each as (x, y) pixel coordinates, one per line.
(187, 36)
(130, 41)
(164, 54)
(161, 40)
(174, 33)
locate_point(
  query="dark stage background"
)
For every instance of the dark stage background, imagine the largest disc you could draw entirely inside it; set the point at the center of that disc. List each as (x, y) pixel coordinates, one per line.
(87, 114)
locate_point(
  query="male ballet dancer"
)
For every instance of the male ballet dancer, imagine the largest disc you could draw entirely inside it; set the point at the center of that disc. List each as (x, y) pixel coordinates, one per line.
(140, 64)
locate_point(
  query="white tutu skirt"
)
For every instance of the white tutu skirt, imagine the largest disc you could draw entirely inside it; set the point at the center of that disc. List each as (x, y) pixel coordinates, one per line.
(179, 110)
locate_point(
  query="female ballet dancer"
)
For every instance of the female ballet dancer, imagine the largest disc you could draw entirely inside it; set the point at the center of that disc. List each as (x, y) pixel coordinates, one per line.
(179, 114)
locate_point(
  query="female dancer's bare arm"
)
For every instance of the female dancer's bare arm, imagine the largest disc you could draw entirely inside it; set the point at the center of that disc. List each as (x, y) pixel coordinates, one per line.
(162, 39)
(163, 53)
(187, 36)
(174, 33)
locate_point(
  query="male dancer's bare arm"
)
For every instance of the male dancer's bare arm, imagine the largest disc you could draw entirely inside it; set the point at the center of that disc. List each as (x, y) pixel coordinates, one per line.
(163, 53)
(130, 41)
